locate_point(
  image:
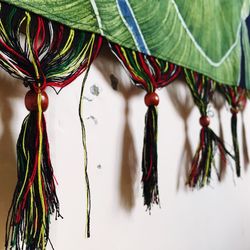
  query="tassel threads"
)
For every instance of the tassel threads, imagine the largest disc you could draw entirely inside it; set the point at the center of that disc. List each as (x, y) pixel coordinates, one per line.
(201, 163)
(200, 173)
(49, 54)
(35, 196)
(149, 154)
(148, 73)
(236, 98)
(201, 167)
(235, 140)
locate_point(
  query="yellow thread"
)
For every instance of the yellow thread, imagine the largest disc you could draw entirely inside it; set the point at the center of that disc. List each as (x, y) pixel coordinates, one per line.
(67, 45)
(74, 63)
(4, 31)
(28, 161)
(125, 55)
(85, 151)
(138, 66)
(130, 66)
(31, 206)
(207, 167)
(135, 58)
(69, 42)
(166, 67)
(20, 24)
(39, 173)
(29, 44)
(91, 48)
(78, 60)
(85, 49)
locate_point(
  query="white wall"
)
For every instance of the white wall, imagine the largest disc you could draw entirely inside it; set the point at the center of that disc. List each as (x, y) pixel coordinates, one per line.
(214, 218)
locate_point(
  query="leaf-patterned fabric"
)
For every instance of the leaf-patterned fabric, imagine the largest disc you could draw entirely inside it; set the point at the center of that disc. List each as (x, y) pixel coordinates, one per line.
(207, 36)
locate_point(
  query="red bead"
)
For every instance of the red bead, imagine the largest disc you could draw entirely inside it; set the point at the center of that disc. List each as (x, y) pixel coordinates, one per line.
(204, 121)
(31, 100)
(151, 99)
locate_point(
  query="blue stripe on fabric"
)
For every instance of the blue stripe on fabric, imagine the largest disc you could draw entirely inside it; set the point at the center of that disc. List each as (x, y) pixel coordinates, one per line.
(128, 16)
(248, 25)
(242, 73)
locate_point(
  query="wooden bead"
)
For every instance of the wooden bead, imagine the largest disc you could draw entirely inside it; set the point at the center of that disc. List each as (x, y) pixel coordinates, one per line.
(204, 121)
(234, 111)
(31, 100)
(151, 99)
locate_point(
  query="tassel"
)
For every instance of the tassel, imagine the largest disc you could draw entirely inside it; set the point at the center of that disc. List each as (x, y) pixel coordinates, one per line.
(235, 141)
(202, 162)
(149, 155)
(35, 196)
(235, 97)
(48, 54)
(200, 173)
(148, 73)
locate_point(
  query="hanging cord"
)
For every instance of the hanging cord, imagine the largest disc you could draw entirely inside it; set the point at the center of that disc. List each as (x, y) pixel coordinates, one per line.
(88, 194)
(80, 112)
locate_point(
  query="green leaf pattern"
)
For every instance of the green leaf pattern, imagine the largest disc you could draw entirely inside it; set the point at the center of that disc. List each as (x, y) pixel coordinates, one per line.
(202, 35)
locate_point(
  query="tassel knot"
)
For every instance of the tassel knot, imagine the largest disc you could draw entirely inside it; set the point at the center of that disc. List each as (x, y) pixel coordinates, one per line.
(234, 110)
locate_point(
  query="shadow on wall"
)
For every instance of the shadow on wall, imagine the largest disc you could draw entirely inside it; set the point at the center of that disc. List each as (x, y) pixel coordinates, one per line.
(9, 89)
(128, 173)
(181, 98)
(129, 159)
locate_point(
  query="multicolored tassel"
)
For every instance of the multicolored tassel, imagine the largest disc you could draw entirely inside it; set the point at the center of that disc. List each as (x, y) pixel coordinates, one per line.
(49, 54)
(35, 196)
(202, 88)
(148, 73)
(236, 98)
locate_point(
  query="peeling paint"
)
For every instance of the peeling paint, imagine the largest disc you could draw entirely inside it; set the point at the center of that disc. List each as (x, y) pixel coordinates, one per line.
(91, 117)
(87, 99)
(95, 90)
